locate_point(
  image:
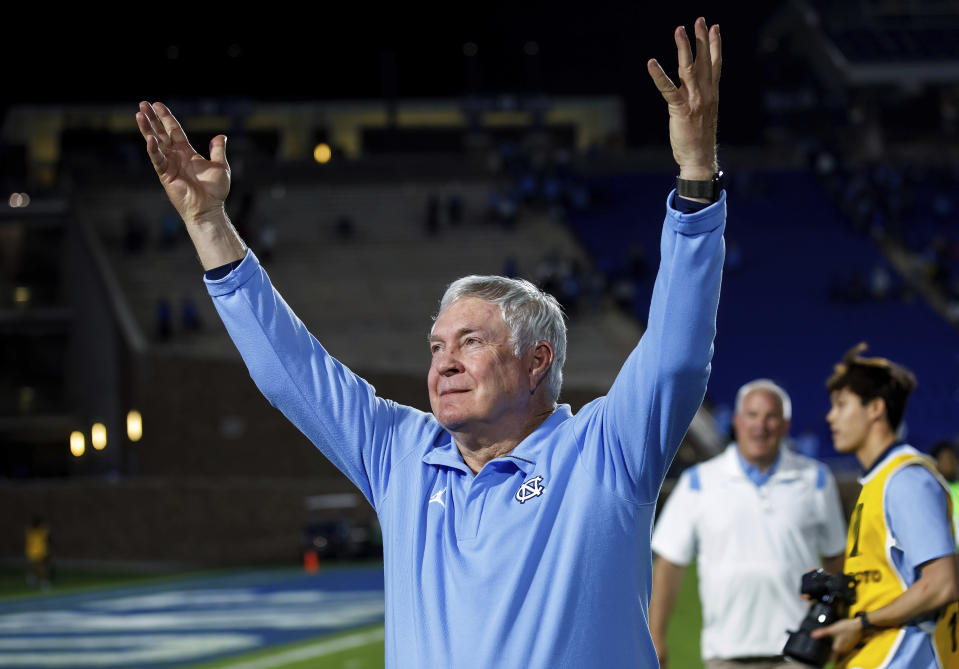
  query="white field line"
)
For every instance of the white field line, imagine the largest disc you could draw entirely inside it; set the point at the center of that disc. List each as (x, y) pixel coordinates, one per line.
(318, 649)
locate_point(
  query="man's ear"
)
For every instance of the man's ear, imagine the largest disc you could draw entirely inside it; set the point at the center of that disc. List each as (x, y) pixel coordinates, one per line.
(876, 408)
(540, 361)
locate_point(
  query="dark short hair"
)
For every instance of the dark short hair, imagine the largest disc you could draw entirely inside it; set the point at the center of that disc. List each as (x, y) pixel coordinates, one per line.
(871, 378)
(940, 447)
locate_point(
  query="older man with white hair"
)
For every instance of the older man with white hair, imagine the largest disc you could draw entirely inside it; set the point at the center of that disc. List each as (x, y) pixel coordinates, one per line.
(757, 517)
(515, 534)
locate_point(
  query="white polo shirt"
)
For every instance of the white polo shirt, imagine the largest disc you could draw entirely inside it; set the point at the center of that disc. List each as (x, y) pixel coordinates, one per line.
(753, 542)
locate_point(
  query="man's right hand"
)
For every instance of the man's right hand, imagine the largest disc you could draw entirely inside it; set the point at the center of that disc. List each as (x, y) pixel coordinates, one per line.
(694, 105)
(197, 187)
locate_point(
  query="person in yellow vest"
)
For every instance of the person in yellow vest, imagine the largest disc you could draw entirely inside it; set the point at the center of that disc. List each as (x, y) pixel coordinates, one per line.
(37, 551)
(900, 548)
(944, 453)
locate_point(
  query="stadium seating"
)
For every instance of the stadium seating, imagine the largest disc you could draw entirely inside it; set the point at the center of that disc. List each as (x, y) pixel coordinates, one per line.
(776, 317)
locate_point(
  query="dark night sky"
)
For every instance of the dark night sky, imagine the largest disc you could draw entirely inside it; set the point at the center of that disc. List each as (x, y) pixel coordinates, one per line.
(321, 53)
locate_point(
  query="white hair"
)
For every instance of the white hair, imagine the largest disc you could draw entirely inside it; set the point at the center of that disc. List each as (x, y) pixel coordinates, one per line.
(771, 387)
(530, 314)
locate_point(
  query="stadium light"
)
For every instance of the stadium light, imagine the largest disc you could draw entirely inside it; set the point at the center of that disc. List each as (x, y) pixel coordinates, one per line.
(98, 436)
(134, 425)
(21, 296)
(322, 153)
(77, 446)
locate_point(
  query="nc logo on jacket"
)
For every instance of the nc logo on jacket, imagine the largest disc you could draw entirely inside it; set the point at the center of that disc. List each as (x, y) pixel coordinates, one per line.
(530, 489)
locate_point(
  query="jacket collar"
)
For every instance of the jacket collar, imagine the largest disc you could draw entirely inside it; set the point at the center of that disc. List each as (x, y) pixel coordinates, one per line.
(523, 456)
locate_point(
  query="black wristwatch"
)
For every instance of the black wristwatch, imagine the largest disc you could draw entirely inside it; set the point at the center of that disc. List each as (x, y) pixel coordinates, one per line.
(864, 620)
(709, 190)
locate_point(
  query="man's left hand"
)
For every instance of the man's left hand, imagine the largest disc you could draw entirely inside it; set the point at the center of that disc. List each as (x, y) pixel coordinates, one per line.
(845, 635)
(694, 105)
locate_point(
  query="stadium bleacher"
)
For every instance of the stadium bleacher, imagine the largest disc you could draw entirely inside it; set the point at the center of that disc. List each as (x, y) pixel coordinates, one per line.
(777, 318)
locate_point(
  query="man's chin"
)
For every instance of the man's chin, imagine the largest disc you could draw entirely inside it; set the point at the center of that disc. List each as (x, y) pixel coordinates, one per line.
(761, 451)
(841, 447)
(450, 421)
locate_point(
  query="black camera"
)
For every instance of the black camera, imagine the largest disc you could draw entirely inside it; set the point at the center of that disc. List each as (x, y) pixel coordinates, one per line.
(831, 595)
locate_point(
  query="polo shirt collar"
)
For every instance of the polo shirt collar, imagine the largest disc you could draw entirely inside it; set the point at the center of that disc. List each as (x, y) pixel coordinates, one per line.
(753, 472)
(447, 455)
(523, 456)
(738, 466)
(527, 451)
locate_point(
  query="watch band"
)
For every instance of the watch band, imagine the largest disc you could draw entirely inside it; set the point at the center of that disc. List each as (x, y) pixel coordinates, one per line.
(864, 619)
(709, 190)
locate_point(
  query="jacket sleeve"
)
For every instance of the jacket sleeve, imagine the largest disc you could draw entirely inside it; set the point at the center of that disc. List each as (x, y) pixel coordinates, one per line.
(360, 433)
(633, 433)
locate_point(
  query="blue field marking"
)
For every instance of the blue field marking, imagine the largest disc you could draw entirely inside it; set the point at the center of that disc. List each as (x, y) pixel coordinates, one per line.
(184, 622)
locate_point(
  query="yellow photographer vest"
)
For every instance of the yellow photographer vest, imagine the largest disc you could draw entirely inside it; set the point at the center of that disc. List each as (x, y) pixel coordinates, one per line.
(878, 582)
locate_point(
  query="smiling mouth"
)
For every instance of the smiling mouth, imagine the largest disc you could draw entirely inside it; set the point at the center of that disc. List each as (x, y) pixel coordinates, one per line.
(453, 392)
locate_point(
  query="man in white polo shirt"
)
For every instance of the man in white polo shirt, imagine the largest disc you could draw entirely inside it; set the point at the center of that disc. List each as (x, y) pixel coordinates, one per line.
(757, 516)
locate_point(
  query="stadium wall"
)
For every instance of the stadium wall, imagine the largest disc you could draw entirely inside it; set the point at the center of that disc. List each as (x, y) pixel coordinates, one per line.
(219, 478)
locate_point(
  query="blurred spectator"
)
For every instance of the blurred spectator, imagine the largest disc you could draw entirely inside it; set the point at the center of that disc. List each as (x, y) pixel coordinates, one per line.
(594, 289)
(756, 517)
(623, 292)
(37, 551)
(527, 187)
(944, 453)
(947, 463)
(454, 209)
(169, 230)
(267, 241)
(345, 230)
(571, 287)
(549, 271)
(506, 212)
(880, 283)
(189, 316)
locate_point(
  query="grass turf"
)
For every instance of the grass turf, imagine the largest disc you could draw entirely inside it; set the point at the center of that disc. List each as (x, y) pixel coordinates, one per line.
(365, 656)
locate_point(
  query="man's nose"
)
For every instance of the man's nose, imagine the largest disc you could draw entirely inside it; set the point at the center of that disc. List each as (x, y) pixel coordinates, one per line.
(447, 364)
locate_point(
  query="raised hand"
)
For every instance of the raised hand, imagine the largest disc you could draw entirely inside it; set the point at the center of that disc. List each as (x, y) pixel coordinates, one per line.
(197, 187)
(694, 105)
